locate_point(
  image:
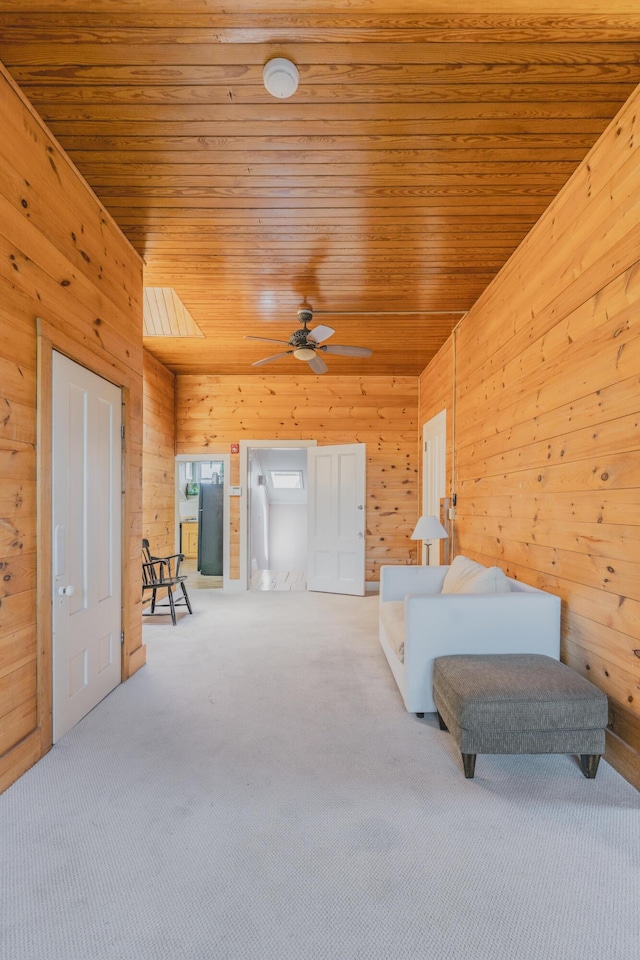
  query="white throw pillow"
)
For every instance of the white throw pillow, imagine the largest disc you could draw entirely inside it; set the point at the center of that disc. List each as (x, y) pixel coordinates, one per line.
(461, 570)
(467, 576)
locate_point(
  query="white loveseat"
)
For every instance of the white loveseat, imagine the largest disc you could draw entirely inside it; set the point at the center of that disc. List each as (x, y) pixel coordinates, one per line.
(418, 622)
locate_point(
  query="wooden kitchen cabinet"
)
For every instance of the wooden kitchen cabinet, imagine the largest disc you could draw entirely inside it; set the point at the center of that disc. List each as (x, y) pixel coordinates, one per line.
(189, 540)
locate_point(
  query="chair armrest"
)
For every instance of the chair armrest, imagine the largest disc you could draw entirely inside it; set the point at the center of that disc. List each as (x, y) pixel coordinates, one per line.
(397, 581)
(168, 561)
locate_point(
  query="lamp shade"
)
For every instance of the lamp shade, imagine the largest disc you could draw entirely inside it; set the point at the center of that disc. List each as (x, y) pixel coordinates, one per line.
(280, 77)
(429, 528)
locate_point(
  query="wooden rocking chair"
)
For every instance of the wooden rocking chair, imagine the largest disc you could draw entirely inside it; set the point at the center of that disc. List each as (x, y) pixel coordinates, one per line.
(163, 573)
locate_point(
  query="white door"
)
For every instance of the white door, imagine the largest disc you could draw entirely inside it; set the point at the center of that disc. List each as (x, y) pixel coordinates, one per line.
(336, 519)
(434, 474)
(87, 541)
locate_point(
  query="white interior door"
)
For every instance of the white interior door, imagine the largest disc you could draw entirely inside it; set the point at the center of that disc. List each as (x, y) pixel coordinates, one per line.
(337, 519)
(87, 541)
(434, 474)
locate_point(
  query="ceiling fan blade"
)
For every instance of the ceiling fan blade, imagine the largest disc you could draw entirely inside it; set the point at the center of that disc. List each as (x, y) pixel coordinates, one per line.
(320, 333)
(317, 364)
(348, 351)
(265, 339)
(276, 356)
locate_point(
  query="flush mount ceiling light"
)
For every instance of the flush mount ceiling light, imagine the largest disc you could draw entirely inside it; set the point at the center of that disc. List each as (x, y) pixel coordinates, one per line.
(280, 77)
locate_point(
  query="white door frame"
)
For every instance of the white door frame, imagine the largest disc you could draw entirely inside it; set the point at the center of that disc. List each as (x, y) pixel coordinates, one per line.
(224, 458)
(245, 446)
(434, 474)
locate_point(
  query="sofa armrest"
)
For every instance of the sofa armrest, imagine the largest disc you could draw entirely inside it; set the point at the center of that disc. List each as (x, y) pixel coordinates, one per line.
(397, 581)
(484, 623)
(455, 623)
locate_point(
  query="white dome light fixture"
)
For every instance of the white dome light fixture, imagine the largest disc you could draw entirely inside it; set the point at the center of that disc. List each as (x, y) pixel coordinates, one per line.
(304, 353)
(280, 77)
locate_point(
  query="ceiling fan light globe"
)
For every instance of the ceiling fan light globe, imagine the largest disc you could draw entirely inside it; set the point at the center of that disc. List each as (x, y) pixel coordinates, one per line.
(304, 353)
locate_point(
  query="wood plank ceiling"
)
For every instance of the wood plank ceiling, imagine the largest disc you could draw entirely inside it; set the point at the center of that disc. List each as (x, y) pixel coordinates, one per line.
(419, 148)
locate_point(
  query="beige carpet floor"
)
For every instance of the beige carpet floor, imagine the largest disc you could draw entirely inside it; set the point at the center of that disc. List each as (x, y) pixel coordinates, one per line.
(257, 792)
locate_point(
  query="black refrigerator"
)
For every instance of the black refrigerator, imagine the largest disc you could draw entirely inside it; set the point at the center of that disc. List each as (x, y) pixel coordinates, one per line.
(210, 527)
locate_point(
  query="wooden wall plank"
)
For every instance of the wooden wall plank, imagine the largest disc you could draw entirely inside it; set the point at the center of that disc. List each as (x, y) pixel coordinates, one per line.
(158, 458)
(382, 412)
(547, 452)
(66, 262)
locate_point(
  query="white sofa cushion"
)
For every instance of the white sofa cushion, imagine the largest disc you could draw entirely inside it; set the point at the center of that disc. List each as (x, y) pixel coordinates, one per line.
(467, 576)
(392, 616)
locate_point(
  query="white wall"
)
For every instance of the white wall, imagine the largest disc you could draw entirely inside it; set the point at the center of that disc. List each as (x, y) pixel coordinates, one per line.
(258, 519)
(288, 536)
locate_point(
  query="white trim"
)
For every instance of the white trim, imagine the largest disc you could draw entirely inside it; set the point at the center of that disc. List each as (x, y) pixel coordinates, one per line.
(245, 446)
(233, 586)
(224, 458)
(435, 430)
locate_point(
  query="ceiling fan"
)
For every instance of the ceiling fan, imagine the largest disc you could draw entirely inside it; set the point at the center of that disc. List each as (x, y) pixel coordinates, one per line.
(308, 345)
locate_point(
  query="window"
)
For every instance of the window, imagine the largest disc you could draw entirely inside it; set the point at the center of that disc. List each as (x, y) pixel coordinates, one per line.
(286, 479)
(207, 470)
(192, 473)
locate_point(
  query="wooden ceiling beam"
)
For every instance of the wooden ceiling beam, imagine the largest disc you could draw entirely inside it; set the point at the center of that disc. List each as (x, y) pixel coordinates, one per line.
(357, 8)
(361, 117)
(67, 48)
(346, 74)
(310, 27)
(472, 92)
(195, 146)
(250, 170)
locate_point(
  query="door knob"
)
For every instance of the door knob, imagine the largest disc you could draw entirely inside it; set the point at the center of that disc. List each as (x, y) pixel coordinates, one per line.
(66, 591)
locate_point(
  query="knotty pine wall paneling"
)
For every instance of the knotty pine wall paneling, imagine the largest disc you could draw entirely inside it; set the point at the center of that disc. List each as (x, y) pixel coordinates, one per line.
(547, 455)
(158, 456)
(67, 273)
(437, 394)
(212, 412)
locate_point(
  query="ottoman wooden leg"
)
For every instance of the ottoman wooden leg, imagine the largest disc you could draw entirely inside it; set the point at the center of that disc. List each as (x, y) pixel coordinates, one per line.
(443, 725)
(469, 764)
(589, 764)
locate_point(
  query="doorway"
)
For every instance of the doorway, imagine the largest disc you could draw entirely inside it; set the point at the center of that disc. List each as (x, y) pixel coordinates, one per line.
(202, 518)
(277, 513)
(434, 473)
(335, 515)
(86, 489)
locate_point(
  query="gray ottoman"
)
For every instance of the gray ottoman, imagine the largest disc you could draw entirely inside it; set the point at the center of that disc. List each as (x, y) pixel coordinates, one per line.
(519, 703)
